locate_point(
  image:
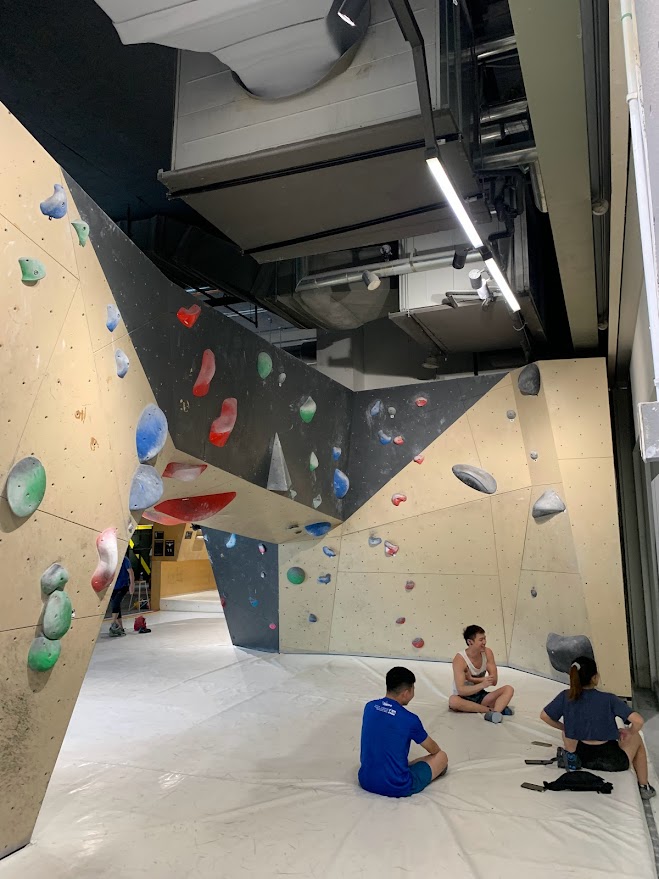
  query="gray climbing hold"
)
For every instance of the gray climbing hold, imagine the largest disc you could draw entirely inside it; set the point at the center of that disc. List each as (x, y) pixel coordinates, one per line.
(54, 577)
(392, 411)
(564, 649)
(279, 479)
(528, 380)
(534, 592)
(475, 478)
(313, 618)
(57, 616)
(511, 415)
(547, 504)
(374, 541)
(317, 501)
(533, 456)
(146, 489)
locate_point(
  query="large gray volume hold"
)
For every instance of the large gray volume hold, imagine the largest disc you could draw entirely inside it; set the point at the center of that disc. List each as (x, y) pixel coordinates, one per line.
(564, 649)
(475, 478)
(528, 381)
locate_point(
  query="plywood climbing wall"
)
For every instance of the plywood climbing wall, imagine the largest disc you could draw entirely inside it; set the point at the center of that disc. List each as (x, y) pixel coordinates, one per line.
(458, 555)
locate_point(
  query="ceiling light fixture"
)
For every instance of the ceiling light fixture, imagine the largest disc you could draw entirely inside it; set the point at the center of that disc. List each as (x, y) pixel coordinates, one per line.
(371, 280)
(460, 256)
(350, 10)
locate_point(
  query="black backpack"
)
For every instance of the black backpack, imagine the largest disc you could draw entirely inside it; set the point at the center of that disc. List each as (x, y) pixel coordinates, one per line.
(580, 780)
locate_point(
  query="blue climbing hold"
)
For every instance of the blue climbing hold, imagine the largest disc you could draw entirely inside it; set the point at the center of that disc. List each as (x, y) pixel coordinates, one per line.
(341, 484)
(146, 489)
(374, 541)
(113, 318)
(55, 206)
(336, 453)
(329, 552)
(318, 529)
(254, 602)
(231, 542)
(385, 438)
(375, 409)
(151, 433)
(122, 362)
(313, 618)
(325, 579)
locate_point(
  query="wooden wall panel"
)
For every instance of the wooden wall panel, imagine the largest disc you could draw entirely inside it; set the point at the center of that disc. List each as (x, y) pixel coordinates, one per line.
(510, 514)
(537, 435)
(183, 577)
(549, 545)
(578, 404)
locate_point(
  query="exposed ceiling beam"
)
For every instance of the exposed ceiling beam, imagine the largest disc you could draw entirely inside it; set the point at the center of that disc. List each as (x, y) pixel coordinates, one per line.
(550, 50)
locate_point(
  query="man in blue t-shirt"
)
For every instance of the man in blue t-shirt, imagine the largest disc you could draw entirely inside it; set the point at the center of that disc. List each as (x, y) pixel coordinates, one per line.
(388, 728)
(125, 581)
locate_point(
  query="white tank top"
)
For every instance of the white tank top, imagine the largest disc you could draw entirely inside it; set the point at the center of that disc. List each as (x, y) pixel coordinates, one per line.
(475, 672)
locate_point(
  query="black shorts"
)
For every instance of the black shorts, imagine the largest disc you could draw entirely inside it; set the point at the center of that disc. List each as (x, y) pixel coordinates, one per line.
(117, 598)
(476, 697)
(608, 757)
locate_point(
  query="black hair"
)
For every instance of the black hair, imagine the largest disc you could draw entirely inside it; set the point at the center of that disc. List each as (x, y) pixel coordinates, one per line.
(399, 679)
(582, 671)
(471, 631)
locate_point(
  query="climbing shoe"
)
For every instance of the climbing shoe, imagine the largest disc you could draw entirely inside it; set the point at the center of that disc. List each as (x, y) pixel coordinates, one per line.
(493, 716)
(646, 791)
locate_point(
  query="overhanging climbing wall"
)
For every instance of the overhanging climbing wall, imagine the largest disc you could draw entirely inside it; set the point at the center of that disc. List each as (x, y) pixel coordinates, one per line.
(534, 553)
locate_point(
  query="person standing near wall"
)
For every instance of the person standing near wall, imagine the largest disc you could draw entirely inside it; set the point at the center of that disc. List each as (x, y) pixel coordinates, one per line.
(475, 669)
(125, 582)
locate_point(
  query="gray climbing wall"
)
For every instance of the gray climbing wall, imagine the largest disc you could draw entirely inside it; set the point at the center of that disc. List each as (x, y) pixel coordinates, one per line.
(247, 580)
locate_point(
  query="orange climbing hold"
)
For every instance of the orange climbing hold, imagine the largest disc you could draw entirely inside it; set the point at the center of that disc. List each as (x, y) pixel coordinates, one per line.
(189, 316)
(221, 428)
(206, 374)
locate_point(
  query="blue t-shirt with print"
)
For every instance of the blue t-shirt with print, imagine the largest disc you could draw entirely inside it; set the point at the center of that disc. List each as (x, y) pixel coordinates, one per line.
(123, 578)
(591, 717)
(388, 728)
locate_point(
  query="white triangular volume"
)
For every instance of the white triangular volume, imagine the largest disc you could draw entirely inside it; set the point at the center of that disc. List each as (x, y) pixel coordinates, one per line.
(279, 479)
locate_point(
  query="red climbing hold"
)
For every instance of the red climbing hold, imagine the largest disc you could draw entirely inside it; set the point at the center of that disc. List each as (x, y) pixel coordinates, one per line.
(419, 459)
(206, 374)
(272, 626)
(400, 621)
(410, 585)
(183, 472)
(195, 509)
(398, 440)
(421, 401)
(390, 548)
(221, 428)
(189, 316)
(223, 600)
(418, 643)
(154, 516)
(398, 498)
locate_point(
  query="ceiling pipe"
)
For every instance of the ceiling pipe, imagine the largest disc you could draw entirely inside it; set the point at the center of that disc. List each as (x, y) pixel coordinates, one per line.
(495, 48)
(499, 130)
(504, 111)
(509, 158)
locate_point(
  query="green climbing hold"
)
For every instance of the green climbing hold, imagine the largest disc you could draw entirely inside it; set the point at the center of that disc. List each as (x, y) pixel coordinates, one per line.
(31, 269)
(26, 486)
(57, 616)
(82, 230)
(43, 654)
(308, 410)
(313, 462)
(296, 576)
(53, 578)
(264, 364)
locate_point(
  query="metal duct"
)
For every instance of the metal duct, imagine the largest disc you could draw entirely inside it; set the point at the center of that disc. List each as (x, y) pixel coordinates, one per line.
(511, 158)
(504, 111)
(495, 48)
(496, 132)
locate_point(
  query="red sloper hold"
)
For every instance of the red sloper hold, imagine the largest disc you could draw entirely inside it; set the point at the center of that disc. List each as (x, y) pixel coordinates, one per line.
(419, 459)
(195, 509)
(221, 428)
(421, 402)
(206, 374)
(189, 316)
(183, 471)
(154, 516)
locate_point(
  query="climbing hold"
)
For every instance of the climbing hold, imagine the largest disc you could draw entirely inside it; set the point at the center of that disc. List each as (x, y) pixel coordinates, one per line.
(375, 409)
(398, 440)
(146, 489)
(26, 486)
(528, 380)
(475, 478)
(325, 579)
(223, 600)
(154, 516)
(262, 575)
(262, 548)
(533, 456)
(55, 206)
(420, 402)
(374, 541)
(296, 575)
(313, 618)
(195, 509)
(189, 316)
(385, 439)
(391, 411)
(547, 504)
(264, 364)
(534, 592)
(31, 269)
(57, 616)
(511, 415)
(336, 453)
(564, 649)
(272, 626)
(223, 425)
(308, 410)
(43, 654)
(317, 501)
(279, 479)
(419, 459)
(281, 378)
(398, 498)
(150, 433)
(82, 231)
(254, 602)
(108, 558)
(318, 529)
(183, 471)
(313, 462)
(113, 317)
(390, 548)
(418, 643)
(410, 585)
(330, 553)
(206, 373)
(122, 362)
(231, 542)
(54, 577)
(341, 484)
(400, 621)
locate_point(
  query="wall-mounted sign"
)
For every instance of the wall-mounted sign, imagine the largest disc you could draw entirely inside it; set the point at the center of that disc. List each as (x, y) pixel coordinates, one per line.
(169, 547)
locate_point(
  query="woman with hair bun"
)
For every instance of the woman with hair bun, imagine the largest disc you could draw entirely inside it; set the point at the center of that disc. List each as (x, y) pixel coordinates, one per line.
(590, 732)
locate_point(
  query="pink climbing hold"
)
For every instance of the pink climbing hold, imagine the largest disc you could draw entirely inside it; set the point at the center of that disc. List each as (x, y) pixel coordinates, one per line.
(398, 440)
(183, 471)
(410, 585)
(397, 499)
(194, 509)
(108, 558)
(390, 548)
(400, 621)
(160, 518)
(189, 316)
(421, 401)
(418, 643)
(262, 548)
(419, 459)
(206, 374)
(272, 626)
(221, 428)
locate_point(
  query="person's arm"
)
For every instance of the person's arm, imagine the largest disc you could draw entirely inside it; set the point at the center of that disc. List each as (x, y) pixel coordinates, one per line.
(131, 580)
(555, 723)
(492, 670)
(460, 675)
(431, 746)
(635, 724)
(551, 714)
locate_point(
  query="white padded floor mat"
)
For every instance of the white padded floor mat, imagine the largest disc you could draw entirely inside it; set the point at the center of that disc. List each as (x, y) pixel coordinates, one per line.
(187, 757)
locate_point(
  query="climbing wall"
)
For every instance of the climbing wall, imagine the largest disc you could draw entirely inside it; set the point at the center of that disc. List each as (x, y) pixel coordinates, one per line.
(507, 519)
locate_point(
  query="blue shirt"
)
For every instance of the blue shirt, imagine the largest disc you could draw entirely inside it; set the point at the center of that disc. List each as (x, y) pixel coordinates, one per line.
(591, 717)
(123, 578)
(387, 730)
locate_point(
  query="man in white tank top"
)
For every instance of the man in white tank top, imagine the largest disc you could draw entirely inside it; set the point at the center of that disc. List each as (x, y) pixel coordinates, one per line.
(474, 669)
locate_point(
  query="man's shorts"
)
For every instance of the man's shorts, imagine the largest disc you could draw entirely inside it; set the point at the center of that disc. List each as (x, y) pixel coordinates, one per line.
(421, 776)
(608, 757)
(476, 697)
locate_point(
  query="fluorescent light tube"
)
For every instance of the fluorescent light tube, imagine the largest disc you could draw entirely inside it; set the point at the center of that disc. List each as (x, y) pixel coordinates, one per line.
(500, 280)
(454, 200)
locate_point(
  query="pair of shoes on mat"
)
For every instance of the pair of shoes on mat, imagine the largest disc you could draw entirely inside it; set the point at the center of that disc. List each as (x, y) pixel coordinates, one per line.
(646, 791)
(498, 716)
(116, 631)
(143, 631)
